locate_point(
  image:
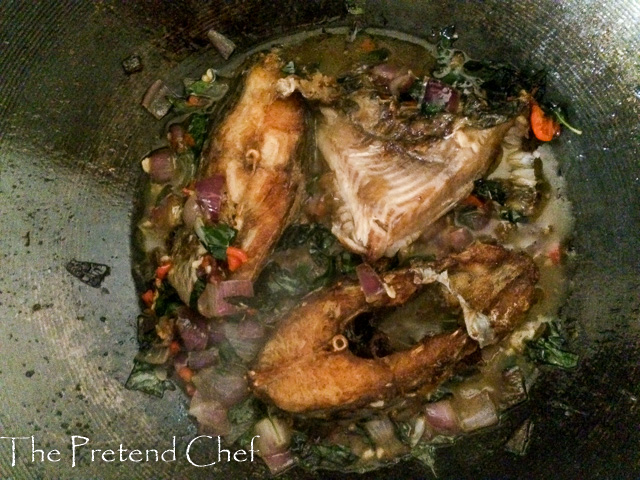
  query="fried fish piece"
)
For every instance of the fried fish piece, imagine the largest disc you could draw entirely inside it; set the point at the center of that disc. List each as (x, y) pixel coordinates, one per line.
(256, 150)
(394, 170)
(305, 367)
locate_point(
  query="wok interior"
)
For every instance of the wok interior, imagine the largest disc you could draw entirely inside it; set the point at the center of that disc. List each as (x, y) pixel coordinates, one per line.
(71, 136)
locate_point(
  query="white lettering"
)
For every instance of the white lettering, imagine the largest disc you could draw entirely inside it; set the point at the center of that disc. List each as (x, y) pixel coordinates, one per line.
(75, 445)
(172, 451)
(111, 453)
(52, 454)
(13, 447)
(135, 452)
(189, 449)
(251, 447)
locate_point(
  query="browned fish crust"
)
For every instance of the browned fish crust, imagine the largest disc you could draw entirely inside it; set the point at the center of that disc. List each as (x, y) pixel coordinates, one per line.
(256, 149)
(300, 371)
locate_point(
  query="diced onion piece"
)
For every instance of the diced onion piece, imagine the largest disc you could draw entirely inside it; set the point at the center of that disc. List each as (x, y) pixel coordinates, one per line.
(371, 283)
(442, 417)
(383, 434)
(209, 196)
(191, 211)
(212, 302)
(202, 359)
(228, 389)
(246, 337)
(192, 328)
(211, 414)
(477, 412)
(160, 165)
(155, 99)
(279, 462)
(441, 95)
(275, 436)
(221, 43)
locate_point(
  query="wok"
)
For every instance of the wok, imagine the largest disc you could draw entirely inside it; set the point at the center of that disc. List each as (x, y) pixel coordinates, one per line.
(72, 133)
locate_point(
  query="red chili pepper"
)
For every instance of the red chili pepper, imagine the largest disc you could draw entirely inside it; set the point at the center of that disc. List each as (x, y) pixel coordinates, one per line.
(148, 297)
(236, 257)
(163, 270)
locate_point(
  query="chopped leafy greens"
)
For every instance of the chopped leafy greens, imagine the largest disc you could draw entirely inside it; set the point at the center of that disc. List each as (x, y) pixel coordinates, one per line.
(144, 378)
(216, 239)
(289, 68)
(198, 126)
(313, 456)
(200, 88)
(549, 349)
(490, 190)
(168, 300)
(325, 254)
(425, 454)
(198, 288)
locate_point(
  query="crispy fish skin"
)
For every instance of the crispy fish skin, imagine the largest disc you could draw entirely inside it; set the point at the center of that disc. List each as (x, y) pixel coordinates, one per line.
(300, 372)
(256, 150)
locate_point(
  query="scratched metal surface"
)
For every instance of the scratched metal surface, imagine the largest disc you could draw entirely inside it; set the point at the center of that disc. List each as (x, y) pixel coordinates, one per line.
(71, 135)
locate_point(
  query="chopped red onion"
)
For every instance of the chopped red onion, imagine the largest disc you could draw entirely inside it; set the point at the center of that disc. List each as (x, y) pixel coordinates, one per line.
(180, 360)
(401, 84)
(442, 416)
(441, 95)
(228, 389)
(274, 436)
(212, 302)
(209, 196)
(477, 412)
(211, 414)
(459, 239)
(279, 462)
(192, 328)
(221, 43)
(216, 332)
(246, 337)
(166, 215)
(387, 72)
(370, 282)
(202, 359)
(382, 432)
(191, 211)
(176, 137)
(156, 99)
(160, 165)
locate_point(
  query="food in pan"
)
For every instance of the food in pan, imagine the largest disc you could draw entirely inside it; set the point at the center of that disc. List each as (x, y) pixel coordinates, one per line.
(353, 247)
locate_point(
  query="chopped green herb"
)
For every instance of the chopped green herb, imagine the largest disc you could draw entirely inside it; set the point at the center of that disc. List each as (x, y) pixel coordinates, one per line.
(289, 68)
(375, 57)
(512, 216)
(212, 90)
(197, 290)
(313, 456)
(562, 119)
(216, 239)
(490, 190)
(425, 454)
(144, 378)
(198, 126)
(168, 300)
(549, 349)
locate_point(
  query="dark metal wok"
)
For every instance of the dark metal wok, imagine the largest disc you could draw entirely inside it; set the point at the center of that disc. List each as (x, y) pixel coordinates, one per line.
(71, 135)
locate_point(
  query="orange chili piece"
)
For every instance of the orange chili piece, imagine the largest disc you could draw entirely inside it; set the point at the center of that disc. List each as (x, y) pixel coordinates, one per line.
(544, 127)
(236, 257)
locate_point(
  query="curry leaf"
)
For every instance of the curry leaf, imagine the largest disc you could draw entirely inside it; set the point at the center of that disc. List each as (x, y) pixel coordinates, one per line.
(144, 378)
(550, 349)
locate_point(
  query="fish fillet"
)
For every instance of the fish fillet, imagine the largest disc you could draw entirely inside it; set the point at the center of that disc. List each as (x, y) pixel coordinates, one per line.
(300, 372)
(256, 149)
(388, 196)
